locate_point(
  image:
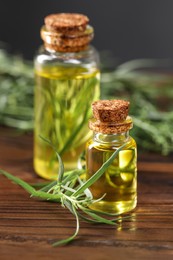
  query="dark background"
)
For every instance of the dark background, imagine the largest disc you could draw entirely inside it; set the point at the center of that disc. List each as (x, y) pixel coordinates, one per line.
(128, 28)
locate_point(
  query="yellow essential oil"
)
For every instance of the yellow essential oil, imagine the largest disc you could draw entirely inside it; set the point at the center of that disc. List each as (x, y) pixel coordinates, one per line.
(119, 181)
(63, 99)
(118, 184)
(67, 82)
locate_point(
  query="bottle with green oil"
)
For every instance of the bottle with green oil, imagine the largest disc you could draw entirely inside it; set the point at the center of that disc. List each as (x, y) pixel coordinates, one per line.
(118, 185)
(67, 82)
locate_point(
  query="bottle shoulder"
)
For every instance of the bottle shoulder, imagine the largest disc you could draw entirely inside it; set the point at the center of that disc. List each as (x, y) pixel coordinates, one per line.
(67, 65)
(130, 144)
(87, 57)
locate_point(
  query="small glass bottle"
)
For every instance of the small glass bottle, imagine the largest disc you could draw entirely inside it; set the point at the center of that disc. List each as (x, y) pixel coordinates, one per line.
(118, 185)
(67, 82)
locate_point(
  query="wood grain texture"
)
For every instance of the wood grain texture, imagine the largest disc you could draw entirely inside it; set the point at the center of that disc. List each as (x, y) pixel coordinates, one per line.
(29, 226)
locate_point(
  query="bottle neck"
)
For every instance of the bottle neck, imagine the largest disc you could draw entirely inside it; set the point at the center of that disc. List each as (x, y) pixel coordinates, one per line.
(111, 138)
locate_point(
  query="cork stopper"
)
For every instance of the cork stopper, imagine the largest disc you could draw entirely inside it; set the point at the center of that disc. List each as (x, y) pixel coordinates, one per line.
(110, 110)
(110, 116)
(66, 23)
(66, 32)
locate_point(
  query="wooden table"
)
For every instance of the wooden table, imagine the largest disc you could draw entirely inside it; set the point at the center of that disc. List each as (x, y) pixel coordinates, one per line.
(29, 226)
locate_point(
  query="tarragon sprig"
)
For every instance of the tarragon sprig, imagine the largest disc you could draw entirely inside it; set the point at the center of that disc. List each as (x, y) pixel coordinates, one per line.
(73, 193)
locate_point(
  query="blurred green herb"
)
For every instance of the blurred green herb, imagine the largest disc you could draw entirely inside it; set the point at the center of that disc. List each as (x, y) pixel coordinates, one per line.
(150, 94)
(149, 88)
(16, 91)
(73, 194)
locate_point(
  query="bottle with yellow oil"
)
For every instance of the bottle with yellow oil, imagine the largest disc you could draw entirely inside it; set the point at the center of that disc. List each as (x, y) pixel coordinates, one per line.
(118, 184)
(67, 82)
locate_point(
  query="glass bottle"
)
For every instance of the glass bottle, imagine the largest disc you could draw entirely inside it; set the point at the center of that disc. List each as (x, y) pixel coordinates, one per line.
(67, 82)
(118, 185)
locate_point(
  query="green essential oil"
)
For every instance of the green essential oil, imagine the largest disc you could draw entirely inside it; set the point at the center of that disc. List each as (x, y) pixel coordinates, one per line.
(63, 97)
(119, 182)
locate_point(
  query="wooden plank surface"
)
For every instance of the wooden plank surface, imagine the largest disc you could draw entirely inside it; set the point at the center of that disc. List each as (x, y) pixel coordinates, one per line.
(29, 226)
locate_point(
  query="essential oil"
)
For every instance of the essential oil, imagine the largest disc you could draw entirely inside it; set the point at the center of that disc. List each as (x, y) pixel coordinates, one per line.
(118, 184)
(63, 96)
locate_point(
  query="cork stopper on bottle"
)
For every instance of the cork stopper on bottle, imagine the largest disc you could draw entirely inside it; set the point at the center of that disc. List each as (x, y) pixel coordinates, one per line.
(110, 116)
(66, 32)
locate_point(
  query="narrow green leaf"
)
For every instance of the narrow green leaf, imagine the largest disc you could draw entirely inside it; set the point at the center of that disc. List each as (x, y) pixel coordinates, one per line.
(48, 186)
(99, 218)
(29, 188)
(69, 239)
(74, 134)
(71, 175)
(90, 220)
(40, 185)
(99, 173)
(87, 192)
(61, 165)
